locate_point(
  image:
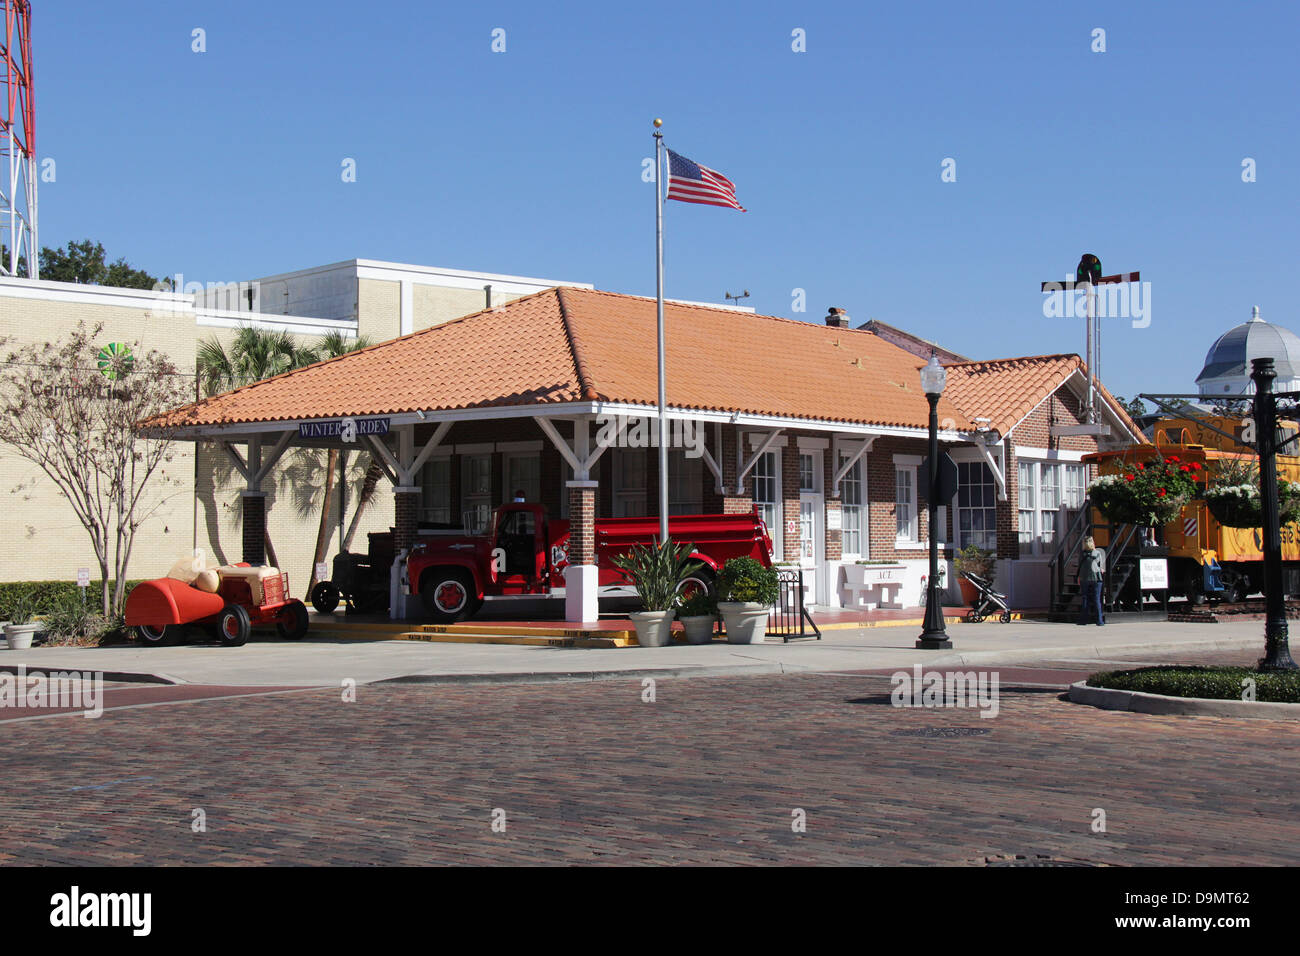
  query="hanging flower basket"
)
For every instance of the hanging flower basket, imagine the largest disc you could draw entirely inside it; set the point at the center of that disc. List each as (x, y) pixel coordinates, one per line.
(1239, 506)
(1147, 493)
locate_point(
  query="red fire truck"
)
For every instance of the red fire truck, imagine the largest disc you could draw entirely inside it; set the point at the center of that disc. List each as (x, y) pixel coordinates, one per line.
(524, 553)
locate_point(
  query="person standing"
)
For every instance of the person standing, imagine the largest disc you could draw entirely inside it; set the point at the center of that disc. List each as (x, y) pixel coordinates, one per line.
(1091, 573)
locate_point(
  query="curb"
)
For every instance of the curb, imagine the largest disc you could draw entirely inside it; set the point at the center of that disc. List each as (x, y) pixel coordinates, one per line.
(562, 677)
(125, 677)
(1102, 652)
(1140, 702)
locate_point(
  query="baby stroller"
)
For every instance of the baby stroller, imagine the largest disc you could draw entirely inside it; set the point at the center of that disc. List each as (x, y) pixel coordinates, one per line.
(987, 602)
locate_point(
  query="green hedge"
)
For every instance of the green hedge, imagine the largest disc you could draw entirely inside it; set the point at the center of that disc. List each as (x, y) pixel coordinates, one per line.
(46, 594)
(1210, 683)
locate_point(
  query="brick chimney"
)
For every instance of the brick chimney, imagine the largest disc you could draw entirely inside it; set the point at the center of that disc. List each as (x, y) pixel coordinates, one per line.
(837, 318)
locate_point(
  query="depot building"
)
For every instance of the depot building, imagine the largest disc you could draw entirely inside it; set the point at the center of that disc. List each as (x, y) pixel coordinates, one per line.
(819, 427)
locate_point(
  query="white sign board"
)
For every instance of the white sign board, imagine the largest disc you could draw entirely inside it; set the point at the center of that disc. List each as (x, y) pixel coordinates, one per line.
(792, 526)
(83, 577)
(1153, 574)
(322, 571)
(834, 521)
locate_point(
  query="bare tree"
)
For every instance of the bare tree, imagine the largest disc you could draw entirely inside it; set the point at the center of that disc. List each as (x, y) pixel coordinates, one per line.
(71, 408)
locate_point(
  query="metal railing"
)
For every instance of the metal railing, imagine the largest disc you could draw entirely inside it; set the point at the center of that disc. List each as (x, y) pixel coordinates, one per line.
(789, 618)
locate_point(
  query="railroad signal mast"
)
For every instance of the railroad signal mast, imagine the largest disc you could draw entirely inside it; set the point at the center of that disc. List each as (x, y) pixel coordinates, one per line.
(18, 172)
(1087, 275)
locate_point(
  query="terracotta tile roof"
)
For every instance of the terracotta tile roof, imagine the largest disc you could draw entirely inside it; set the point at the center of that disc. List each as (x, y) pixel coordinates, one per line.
(1006, 390)
(568, 345)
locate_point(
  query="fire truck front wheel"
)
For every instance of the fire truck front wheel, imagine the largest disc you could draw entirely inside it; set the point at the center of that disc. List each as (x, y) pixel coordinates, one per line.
(448, 594)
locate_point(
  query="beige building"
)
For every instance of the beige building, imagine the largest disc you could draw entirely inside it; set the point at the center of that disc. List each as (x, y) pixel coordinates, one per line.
(201, 509)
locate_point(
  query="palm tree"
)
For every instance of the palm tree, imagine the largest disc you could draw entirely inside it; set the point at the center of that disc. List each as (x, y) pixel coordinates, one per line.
(255, 354)
(331, 346)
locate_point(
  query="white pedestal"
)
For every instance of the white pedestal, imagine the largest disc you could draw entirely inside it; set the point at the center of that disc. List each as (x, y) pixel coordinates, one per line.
(580, 593)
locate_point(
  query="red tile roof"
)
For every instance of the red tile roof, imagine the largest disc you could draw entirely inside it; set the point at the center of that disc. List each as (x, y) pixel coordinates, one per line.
(572, 345)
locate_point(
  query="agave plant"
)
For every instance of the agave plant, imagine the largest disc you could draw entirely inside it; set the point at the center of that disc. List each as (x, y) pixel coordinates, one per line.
(656, 571)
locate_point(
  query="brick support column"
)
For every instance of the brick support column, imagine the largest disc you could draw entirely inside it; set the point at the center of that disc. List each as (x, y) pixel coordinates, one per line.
(406, 515)
(580, 577)
(254, 526)
(406, 511)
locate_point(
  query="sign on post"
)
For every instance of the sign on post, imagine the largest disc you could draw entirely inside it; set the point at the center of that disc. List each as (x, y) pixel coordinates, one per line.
(322, 571)
(1153, 574)
(83, 577)
(947, 481)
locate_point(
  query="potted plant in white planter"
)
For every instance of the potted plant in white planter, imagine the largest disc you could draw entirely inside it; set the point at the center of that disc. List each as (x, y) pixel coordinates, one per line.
(699, 614)
(19, 630)
(656, 571)
(749, 590)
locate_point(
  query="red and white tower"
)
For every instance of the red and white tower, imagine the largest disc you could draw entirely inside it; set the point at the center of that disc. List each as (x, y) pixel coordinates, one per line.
(18, 170)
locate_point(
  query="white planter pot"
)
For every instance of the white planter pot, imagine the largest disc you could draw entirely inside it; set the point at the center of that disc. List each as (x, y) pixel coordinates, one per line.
(746, 622)
(699, 628)
(653, 628)
(19, 636)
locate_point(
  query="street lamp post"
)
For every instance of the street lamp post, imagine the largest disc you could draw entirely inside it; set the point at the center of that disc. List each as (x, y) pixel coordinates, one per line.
(1277, 653)
(933, 636)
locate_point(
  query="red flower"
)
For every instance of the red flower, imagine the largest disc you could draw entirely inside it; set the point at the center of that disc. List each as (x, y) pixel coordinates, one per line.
(1129, 477)
(1183, 468)
(1141, 467)
(1173, 458)
(1162, 493)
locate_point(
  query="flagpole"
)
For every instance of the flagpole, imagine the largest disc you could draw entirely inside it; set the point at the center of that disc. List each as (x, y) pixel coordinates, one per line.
(659, 312)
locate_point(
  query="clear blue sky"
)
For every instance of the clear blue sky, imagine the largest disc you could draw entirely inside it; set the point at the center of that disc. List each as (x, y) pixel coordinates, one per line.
(225, 165)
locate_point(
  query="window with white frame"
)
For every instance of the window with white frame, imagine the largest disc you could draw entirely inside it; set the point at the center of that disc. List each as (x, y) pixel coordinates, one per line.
(852, 540)
(523, 472)
(767, 494)
(807, 472)
(685, 483)
(435, 491)
(977, 513)
(1050, 495)
(476, 492)
(906, 523)
(629, 482)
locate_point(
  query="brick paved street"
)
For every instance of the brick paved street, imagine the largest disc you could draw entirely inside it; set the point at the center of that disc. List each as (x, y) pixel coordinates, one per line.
(709, 773)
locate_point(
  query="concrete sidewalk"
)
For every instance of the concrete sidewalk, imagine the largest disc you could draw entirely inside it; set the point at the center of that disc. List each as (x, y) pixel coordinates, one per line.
(326, 662)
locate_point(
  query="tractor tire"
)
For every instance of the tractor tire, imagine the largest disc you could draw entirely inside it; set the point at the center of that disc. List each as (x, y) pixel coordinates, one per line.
(448, 594)
(233, 626)
(325, 597)
(294, 622)
(158, 636)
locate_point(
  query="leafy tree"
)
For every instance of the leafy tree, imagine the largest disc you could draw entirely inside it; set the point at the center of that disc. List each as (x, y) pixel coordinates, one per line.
(1135, 407)
(71, 408)
(85, 262)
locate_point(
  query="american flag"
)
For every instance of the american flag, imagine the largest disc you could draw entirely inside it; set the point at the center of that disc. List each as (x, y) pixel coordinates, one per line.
(691, 182)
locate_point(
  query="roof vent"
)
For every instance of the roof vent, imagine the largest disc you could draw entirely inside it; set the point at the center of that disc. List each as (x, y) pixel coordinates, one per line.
(837, 318)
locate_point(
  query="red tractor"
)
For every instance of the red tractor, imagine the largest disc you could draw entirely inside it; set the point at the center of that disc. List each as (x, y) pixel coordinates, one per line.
(230, 600)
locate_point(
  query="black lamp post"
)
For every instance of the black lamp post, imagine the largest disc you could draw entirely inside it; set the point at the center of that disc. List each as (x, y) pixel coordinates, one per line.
(1277, 652)
(933, 636)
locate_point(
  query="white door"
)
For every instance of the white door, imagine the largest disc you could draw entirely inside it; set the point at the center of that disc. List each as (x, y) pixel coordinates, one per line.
(812, 518)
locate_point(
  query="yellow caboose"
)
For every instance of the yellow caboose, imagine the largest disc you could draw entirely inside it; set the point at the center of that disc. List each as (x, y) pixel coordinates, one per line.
(1206, 559)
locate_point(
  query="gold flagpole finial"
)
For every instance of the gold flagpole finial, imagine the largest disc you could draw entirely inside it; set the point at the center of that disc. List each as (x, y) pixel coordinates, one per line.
(658, 122)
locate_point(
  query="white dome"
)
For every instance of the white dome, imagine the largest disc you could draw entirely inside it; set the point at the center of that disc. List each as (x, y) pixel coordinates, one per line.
(1227, 364)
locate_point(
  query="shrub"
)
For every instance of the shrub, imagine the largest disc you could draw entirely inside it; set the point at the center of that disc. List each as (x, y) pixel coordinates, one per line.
(700, 604)
(45, 595)
(72, 620)
(1211, 683)
(747, 581)
(977, 561)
